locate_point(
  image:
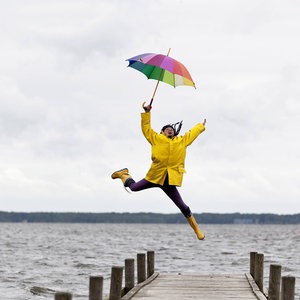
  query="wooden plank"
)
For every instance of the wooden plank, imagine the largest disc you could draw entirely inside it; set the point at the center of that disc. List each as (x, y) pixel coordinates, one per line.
(200, 287)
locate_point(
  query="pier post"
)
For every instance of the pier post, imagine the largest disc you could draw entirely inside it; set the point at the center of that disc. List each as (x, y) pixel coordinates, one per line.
(116, 283)
(252, 263)
(141, 267)
(150, 263)
(129, 274)
(96, 288)
(288, 288)
(62, 296)
(259, 271)
(274, 282)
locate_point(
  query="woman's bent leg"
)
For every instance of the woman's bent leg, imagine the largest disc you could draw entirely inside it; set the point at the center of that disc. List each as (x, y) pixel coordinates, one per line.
(140, 185)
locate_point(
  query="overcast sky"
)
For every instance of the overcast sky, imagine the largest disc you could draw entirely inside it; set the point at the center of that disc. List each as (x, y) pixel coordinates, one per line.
(70, 108)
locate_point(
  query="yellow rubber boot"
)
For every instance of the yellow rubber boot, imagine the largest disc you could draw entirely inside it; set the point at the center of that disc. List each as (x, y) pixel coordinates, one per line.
(122, 174)
(191, 220)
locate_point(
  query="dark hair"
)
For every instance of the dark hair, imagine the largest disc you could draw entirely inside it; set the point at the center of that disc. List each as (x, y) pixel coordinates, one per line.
(176, 127)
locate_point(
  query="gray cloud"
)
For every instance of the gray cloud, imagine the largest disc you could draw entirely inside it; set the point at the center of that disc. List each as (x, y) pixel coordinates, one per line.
(69, 109)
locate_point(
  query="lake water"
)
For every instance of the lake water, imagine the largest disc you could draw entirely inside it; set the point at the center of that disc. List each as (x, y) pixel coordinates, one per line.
(38, 259)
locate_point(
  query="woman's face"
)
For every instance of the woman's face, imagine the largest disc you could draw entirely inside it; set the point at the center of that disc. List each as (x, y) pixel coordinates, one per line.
(169, 132)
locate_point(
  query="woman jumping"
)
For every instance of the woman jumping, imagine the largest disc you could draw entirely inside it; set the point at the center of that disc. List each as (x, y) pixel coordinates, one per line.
(168, 157)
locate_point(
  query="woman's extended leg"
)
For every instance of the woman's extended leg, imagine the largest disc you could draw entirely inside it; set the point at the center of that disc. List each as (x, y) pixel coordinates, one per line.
(174, 195)
(172, 192)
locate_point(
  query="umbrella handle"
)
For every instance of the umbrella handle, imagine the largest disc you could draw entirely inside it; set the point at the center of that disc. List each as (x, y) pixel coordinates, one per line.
(146, 107)
(158, 81)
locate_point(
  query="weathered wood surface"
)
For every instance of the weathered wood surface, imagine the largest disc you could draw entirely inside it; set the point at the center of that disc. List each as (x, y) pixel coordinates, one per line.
(200, 287)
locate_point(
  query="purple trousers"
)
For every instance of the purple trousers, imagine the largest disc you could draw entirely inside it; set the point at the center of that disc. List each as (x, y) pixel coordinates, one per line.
(170, 190)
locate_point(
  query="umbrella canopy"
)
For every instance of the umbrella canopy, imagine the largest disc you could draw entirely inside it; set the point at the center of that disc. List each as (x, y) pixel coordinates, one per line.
(162, 68)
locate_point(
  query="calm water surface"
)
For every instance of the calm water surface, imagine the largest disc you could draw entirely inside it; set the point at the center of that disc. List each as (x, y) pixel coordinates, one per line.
(38, 259)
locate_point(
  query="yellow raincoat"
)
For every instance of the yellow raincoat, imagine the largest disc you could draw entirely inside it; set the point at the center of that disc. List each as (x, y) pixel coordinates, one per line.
(168, 155)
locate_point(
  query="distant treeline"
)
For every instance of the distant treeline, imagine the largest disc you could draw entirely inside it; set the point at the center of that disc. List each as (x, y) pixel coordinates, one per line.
(204, 218)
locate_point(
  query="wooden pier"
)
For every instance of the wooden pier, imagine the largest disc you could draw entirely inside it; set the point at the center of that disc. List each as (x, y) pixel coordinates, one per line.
(152, 285)
(200, 287)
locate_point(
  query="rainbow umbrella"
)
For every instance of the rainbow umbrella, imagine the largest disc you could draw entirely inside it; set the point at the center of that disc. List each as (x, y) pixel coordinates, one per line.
(161, 68)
